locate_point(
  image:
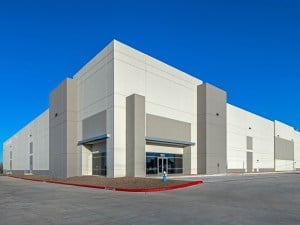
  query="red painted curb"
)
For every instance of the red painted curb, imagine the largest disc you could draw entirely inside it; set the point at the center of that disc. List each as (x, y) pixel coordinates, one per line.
(191, 183)
(188, 184)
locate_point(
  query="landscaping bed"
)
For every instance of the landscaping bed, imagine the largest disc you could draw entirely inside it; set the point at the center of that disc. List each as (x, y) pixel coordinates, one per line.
(122, 184)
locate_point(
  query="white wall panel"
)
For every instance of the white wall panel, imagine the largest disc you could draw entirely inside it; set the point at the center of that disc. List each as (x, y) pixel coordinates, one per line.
(283, 130)
(95, 94)
(241, 124)
(297, 149)
(168, 93)
(86, 161)
(284, 165)
(37, 132)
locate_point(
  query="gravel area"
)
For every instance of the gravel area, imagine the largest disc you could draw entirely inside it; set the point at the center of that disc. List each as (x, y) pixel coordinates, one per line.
(124, 182)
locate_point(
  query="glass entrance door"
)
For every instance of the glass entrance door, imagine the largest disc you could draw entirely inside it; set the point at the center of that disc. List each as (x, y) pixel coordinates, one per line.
(162, 165)
(99, 163)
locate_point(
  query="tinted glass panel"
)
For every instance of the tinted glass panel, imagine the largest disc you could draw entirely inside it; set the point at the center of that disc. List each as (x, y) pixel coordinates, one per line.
(99, 163)
(156, 162)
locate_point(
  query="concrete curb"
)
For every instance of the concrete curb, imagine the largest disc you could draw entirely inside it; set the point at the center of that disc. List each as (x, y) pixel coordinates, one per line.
(159, 189)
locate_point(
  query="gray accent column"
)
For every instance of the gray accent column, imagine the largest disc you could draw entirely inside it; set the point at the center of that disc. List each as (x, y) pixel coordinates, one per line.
(63, 152)
(186, 161)
(211, 130)
(135, 136)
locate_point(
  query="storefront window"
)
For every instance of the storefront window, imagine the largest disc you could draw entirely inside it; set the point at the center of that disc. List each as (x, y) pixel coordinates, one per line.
(156, 163)
(99, 163)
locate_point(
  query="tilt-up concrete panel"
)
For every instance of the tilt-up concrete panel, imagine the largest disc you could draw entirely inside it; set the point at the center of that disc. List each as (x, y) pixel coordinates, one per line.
(211, 129)
(63, 130)
(135, 136)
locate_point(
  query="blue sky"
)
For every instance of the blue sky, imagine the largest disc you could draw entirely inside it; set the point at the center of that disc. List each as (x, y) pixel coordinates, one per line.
(250, 48)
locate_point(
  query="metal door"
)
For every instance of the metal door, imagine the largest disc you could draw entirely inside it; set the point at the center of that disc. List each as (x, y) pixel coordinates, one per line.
(249, 162)
(31, 163)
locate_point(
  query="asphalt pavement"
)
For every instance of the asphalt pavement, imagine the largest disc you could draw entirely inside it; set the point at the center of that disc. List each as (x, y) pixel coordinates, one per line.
(230, 199)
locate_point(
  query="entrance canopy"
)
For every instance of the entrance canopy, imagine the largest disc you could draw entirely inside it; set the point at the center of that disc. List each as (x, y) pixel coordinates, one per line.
(164, 141)
(93, 140)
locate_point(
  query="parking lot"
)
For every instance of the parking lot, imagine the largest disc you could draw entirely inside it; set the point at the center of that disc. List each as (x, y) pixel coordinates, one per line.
(233, 199)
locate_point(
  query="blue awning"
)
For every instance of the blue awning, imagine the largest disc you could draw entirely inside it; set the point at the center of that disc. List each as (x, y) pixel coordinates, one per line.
(93, 140)
(165, 141)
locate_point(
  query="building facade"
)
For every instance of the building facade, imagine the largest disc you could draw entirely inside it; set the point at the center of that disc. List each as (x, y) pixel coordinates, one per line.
(127, 114)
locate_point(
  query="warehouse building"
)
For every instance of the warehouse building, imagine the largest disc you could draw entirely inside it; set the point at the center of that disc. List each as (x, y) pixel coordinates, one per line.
(127, 114)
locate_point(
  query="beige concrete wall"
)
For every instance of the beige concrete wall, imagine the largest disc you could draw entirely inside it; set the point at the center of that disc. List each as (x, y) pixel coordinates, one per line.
(95, 91)
(119, 71)
(135, 136)
(165, 128)
(211, 126)
(168, 92)
(161, 127)
(63, 130)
